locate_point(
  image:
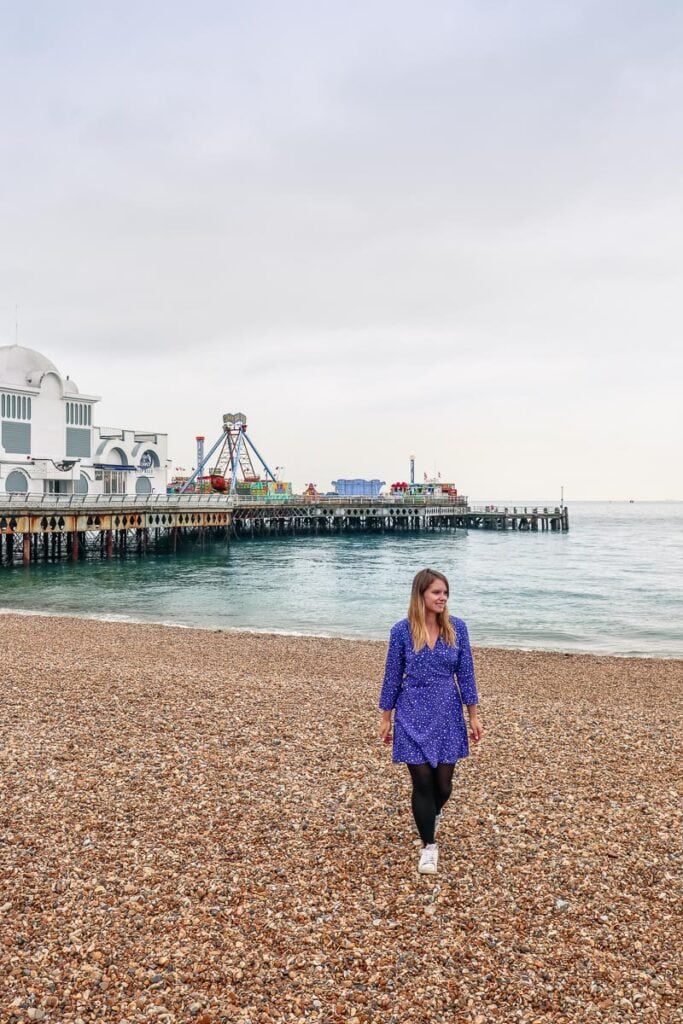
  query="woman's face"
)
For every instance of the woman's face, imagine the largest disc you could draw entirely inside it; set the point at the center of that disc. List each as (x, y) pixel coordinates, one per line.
(435, 596)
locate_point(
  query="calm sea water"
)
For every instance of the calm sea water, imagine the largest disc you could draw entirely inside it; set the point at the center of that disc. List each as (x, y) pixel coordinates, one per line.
(610, 585)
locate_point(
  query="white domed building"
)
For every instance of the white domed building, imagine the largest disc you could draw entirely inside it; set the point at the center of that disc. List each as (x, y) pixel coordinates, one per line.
(49, 443)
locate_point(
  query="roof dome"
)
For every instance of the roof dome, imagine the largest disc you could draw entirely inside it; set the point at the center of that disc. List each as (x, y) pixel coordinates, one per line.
(20, 366)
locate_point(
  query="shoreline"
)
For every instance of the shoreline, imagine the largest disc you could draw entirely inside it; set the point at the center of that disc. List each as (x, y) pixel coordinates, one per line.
(251, 631)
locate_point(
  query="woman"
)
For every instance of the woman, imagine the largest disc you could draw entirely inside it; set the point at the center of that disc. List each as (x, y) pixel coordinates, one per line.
(426, 651)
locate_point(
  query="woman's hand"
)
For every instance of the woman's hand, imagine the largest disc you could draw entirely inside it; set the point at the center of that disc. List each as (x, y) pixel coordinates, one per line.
(384, 730)
(476, 730)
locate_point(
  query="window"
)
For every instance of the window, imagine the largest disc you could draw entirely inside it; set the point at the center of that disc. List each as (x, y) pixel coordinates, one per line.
(78, 442)
(15, 407)
(78, 414)
(113, 481)
(16, 483)
(16, 437)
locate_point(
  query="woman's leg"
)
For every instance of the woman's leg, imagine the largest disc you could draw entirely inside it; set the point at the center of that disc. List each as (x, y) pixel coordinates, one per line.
(423, 800)
(443, 784)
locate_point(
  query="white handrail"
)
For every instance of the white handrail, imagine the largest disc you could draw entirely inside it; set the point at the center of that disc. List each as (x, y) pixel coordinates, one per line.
(76, 501)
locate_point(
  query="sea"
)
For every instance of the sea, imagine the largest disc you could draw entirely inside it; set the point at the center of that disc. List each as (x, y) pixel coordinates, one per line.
(613, 584)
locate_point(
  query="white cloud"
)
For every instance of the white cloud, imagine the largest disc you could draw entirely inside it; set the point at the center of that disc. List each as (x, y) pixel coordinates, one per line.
(378, 228)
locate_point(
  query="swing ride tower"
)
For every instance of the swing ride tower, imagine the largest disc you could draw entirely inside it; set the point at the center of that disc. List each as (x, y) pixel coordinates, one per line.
(237, 460)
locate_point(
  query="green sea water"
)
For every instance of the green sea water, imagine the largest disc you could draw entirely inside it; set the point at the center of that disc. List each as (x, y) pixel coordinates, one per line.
(611, 585)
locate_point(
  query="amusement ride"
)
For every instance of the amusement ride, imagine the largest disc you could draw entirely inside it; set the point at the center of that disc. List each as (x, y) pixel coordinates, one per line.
(235, 469)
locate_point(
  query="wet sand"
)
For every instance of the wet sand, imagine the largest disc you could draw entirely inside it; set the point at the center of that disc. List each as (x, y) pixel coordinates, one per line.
(203, 827)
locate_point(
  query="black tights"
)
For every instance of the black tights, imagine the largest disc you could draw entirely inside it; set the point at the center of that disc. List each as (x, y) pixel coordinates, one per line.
(431, 789)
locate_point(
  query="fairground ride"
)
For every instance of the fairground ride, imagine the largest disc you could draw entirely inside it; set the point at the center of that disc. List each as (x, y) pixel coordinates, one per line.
(234, 463)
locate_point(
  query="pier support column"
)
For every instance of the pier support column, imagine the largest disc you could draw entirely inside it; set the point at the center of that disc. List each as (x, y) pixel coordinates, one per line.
(109, 544)
(26, 550)
(74, 546)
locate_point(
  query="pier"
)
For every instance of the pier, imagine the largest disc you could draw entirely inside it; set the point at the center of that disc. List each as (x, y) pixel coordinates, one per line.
(46, 528)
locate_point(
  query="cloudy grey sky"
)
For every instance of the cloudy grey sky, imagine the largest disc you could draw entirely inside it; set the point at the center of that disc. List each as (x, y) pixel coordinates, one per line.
(452, 229)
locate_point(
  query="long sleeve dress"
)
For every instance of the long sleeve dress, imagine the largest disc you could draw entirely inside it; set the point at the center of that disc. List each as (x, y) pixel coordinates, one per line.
(429, 723)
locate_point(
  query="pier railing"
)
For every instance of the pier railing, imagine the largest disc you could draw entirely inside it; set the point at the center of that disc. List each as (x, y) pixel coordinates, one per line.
(77, 502)
(50, 527)
(74, 502)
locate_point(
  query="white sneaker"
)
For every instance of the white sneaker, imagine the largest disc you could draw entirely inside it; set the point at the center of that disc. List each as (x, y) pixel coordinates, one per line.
(438, 822)
(429, 860)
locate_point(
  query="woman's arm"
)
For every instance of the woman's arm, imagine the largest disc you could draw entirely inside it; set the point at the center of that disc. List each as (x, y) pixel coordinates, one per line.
(465, 667)
(466, 681)
(384, 729)
(476, 730)
(393, 678)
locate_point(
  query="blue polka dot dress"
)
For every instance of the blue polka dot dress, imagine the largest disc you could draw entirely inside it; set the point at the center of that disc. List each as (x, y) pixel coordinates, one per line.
(429, 723)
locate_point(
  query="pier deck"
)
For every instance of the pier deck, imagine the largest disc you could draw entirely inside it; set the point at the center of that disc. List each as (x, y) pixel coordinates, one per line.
(53, 527)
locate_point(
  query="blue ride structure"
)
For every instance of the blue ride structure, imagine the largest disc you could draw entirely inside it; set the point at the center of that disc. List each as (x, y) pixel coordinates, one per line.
(235, 468)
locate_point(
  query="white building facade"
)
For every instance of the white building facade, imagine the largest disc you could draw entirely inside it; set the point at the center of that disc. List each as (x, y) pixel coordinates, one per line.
(49, 443)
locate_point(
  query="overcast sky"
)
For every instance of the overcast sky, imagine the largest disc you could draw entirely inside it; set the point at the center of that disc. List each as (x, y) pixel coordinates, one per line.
(378, 228)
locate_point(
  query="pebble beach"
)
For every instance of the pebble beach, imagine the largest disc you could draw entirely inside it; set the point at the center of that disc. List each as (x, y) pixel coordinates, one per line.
(202, 826)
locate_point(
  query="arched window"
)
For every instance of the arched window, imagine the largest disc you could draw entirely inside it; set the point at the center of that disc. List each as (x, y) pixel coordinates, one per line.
(149, 460)
(23, 407)
(16, 482)
(90, 415)
(14, 406)
(28, 406)
(3, 405)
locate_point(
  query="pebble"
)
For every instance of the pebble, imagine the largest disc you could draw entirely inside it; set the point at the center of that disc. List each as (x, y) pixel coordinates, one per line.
(212, 826)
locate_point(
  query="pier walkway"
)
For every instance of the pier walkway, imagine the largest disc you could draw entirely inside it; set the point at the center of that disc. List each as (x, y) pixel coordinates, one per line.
(53, 527)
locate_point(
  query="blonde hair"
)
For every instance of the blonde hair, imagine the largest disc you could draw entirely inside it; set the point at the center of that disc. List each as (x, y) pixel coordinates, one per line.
(416, 610)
